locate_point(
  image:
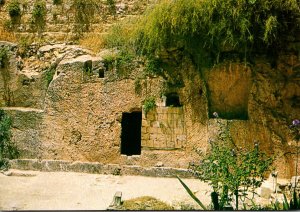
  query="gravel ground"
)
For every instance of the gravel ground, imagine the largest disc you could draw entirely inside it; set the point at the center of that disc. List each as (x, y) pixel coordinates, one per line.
(32, 190)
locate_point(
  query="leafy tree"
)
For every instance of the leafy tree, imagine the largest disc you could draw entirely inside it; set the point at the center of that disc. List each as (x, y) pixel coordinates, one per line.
(7, 149)
(230, 170)
(207, 28)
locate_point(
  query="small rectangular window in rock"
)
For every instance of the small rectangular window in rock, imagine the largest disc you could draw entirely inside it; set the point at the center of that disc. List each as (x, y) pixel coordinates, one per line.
(101, 73)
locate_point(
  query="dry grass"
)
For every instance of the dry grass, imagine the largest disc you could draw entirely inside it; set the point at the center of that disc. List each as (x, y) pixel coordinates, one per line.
(145, 203)
(93, 41)
(6, 35)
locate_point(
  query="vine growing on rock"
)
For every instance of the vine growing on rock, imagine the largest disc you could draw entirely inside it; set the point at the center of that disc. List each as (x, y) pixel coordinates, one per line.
(5, 75)
(7, 149)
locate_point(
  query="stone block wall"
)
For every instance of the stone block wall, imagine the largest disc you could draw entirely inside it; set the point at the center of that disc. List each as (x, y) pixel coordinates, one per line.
(164, 128)
(60, 18)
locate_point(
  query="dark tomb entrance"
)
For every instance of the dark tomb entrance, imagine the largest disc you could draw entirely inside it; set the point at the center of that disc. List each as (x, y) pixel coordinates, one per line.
(173, 100)
(131, 133)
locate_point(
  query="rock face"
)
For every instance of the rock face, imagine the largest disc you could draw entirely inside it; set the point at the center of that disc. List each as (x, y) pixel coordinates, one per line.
(67, 105)
(61, 22)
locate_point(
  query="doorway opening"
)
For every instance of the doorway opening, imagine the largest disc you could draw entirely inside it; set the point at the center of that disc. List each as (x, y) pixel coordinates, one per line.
(173, 100)
(131, 133)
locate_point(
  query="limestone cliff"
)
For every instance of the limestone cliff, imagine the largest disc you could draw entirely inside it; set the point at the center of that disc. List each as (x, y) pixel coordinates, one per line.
(67, 104)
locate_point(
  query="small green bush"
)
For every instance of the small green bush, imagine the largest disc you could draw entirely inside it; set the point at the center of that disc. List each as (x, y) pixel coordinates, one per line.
(7, 149)
(149, 104)
(84, 11)
(2, 2)
(3, 57)
(14, 9)
(39, 15)
(111, 6)
(49, 75)
(233, 172)
(57, 2)
(153, 66)
(122, 62)
(137, 86)
(14, 12)
(24, 43)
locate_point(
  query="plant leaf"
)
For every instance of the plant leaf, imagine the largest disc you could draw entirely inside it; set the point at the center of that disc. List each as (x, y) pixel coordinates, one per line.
(191, 193)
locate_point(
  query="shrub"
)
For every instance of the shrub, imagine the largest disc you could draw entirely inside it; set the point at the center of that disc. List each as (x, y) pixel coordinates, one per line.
(205, 29)
(145, 203)
(14, 11)
(111, 6)
(121, 61)
(39, 15)
(7, 149)
(49, 75)
(24, 43)
(57, 2)
(149, 104)
(84, 13)
(232, 172)
(2, 2)
(3, 57)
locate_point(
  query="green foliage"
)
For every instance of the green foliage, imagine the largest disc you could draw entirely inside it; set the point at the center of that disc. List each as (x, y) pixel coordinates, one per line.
(24, 44)
(122, 36)
(2, 2)
(7, 149)
(149, 104)
(111, 6)
(39, 15)
(294, 203)
(57, 2)
(49, 75)
(205, 29)
(153, 66)
(84, 11)
(121, 61)
(137, 86)
(14, 11)
(3, 57)
(230, 170)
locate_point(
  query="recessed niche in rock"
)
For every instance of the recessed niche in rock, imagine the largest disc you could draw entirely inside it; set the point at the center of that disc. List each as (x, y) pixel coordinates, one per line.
(131, 133)
(101, 73)
(228, 91)
(172, 100)
(88, 67)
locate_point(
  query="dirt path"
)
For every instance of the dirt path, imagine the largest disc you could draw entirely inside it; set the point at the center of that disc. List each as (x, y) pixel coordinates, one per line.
(78, 191)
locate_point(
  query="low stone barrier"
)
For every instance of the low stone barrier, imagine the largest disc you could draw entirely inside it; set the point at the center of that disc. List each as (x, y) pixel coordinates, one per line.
(97, 168)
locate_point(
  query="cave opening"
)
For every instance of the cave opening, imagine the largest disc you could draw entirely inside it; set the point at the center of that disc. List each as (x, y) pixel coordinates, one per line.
(131, 133)
(173, 100)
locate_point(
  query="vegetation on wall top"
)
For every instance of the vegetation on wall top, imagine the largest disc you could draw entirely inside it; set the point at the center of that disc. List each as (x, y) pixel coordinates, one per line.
(205, 28)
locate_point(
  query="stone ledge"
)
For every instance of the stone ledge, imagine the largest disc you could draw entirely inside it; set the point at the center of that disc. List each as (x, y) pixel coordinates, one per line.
(96, 168)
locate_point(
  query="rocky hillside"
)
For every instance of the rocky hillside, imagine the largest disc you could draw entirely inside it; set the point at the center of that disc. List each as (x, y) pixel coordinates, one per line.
(70, 103)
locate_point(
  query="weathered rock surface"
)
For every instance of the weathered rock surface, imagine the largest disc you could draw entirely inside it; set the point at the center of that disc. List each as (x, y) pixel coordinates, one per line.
(74, 106)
